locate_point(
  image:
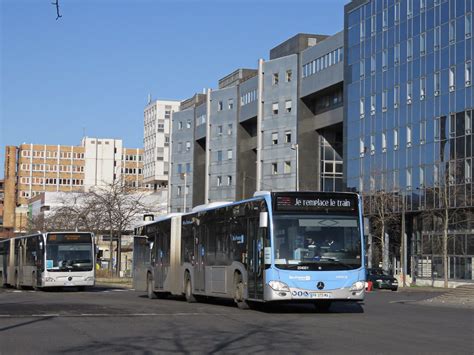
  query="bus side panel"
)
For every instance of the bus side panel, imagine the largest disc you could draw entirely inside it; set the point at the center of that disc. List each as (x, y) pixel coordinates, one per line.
(12, 269)
(174, 278)
(141, 262)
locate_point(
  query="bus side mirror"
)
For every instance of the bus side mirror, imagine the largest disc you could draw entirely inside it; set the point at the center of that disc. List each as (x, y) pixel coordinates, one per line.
(263, 220)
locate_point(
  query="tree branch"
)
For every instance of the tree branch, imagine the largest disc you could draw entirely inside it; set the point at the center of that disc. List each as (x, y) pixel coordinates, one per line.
(56, 3)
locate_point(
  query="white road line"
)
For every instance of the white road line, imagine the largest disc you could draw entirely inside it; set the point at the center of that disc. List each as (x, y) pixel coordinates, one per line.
(403, 301)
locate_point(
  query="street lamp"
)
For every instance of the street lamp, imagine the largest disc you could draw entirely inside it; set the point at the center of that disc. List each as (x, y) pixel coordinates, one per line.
(295, 147)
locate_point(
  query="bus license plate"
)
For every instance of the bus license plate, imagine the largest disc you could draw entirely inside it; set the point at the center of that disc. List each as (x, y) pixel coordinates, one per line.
(320, 295)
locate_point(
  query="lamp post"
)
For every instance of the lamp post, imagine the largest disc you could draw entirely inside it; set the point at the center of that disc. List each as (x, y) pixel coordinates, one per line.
(295, 147)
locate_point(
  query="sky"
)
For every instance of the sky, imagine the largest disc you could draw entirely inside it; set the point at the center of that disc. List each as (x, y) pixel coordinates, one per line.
(90, 72)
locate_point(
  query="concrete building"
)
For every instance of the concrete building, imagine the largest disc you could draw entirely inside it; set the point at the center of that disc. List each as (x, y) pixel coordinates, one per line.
(258, 130)
(31, 169)
(408, 123)
(157, 120)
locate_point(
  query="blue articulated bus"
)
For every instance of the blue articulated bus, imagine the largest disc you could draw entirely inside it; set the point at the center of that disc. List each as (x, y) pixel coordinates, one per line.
(275, 247)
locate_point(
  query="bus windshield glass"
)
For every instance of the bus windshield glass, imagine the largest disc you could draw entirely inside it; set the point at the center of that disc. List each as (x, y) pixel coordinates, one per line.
(316, 242)
(69, 252)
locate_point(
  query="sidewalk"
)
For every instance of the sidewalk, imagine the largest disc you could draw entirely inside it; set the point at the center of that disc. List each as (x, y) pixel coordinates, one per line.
(117, 282)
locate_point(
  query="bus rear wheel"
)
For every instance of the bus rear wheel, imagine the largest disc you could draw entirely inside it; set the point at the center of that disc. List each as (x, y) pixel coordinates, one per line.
(239, 292)
(188, 290)
(149, 287)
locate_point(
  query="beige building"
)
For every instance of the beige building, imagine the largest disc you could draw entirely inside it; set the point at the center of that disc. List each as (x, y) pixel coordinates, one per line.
(31, 169)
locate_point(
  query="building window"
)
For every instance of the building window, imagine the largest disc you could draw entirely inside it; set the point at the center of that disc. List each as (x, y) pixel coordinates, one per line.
(408, 178)
(188, 124)
(468, 25)
(408, 136)
(362, 69)
(188, 146)
(409, 92)
(396, 54)
(452, 76)
(372, 144)
(362, 107)
(385, 19)
(179, 191)
(384, 59)
(274, 168)
(287, 167)
(452, 31)
(397, 12)
(275, 108)
(361, 146)
(437, 37)
(179, 170)
(219, 130)
(288, 137)
(219, 181)
(409, 8)
(373, 25)
(229, 180)
(362, 30)
(409, 49)
(396, 96)
(372, 104)
(422, 176)
(372, 64)
(288, 76)
(436, 174)
(219, 155)
(422, 44)
(422, 132)
(229, 154)
(188, 167)
(180, 147)
(288, 106)
(437, 86)
(468, 122)
(180, 125)
(468, 169)
(422, 88)
(229, 129)
(274, 138)
(230, 104)
(220, 106)
(275, 79)
(468, 73)
(452, 125)
(422, 5)
(384, 142)
(395, 139)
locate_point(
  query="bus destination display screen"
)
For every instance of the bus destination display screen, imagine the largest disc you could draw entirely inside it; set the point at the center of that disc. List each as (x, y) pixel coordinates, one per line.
(315, 203)
(69, 238)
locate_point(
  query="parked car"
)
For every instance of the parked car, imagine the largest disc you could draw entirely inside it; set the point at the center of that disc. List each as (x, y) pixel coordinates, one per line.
(382, 279)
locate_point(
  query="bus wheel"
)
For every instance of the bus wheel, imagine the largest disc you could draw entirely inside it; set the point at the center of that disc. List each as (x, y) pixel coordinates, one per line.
(239, 292)
(149, 287)
(323, 306)
(188, 290)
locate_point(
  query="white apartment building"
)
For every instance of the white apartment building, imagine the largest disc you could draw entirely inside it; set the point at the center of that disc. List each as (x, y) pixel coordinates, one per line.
(157, 128)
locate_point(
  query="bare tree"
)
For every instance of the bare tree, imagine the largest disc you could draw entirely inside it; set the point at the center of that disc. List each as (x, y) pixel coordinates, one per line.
(56, 4)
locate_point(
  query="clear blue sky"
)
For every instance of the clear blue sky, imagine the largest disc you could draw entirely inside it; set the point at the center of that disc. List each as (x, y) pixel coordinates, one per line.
(93, 68)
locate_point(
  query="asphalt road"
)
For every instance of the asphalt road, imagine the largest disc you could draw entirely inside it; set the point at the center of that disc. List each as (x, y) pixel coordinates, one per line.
(108, 320)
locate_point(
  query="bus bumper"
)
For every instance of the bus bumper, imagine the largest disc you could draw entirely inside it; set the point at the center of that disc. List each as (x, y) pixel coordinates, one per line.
(297, 294)
(69, 280)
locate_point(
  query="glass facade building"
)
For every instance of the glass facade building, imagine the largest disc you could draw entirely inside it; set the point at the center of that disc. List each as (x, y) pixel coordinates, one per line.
(408, 120)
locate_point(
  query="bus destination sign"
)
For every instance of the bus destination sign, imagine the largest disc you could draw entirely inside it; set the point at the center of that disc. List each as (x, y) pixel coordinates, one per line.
(70, 238)
(315, 203)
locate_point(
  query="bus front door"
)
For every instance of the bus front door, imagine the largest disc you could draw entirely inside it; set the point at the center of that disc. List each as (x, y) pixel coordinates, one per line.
(255, 264)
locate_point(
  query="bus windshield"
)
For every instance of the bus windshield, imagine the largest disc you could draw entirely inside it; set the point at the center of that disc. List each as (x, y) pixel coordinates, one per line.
(316, 242)
(69, 253)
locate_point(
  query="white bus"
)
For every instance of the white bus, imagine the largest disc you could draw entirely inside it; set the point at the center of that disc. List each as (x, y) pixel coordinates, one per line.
(56, 259)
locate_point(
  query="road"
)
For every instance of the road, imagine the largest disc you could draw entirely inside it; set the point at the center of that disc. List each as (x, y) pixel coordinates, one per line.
(107, 320)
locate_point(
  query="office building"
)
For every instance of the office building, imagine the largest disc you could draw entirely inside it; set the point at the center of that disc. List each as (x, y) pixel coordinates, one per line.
(408, 122)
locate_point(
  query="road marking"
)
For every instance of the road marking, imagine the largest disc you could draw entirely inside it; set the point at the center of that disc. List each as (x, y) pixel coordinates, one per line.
(403, 301)
(86, 315)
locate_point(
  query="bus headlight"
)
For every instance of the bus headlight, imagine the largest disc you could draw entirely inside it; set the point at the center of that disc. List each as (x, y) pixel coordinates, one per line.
(49, 279)
(358, 286)
(279, 286)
